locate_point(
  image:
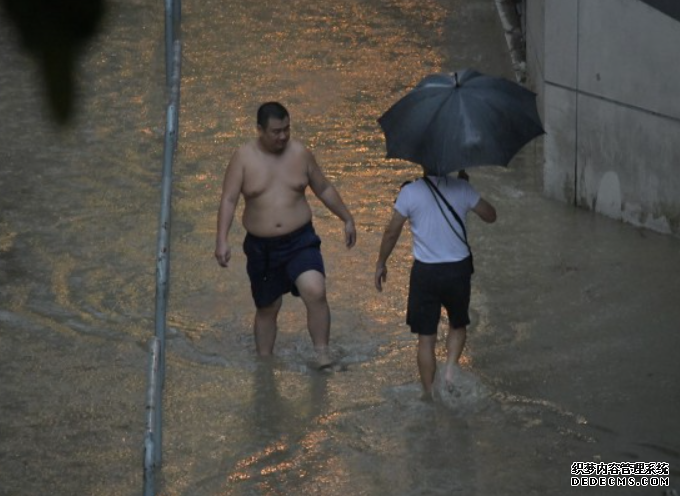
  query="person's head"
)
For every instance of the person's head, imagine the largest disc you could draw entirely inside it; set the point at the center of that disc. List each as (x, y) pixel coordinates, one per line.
(273, 126)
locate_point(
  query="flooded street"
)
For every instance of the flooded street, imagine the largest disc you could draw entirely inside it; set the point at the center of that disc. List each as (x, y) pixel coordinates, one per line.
(572, 351)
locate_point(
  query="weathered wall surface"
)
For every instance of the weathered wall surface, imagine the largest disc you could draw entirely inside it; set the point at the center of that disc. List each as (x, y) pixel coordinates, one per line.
(608, 76)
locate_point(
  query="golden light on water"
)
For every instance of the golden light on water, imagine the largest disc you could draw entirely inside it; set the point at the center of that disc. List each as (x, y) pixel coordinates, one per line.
(78, 228)
(283, 459)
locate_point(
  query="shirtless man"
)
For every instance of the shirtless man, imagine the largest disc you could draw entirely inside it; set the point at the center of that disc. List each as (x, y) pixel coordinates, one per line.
(272, 173)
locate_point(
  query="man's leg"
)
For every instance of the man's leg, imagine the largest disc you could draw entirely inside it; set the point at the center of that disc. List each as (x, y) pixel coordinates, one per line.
(427, 362)
(455, 342)
(265, 327)
(312, 287)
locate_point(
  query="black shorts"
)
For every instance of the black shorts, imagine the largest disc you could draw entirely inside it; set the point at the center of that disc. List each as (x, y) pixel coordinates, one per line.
(275, 263)
(435, 285)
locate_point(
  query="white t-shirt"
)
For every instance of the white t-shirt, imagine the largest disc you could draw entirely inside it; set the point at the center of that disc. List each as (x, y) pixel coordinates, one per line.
(433, 240)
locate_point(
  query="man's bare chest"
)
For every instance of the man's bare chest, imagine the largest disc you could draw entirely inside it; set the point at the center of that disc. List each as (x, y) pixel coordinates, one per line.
(274, 178)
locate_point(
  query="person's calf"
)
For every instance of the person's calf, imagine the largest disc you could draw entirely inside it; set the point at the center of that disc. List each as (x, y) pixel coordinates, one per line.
(427, 362)
(265, 328)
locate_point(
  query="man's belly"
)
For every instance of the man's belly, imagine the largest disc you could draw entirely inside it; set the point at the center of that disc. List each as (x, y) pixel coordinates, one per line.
(271, 222)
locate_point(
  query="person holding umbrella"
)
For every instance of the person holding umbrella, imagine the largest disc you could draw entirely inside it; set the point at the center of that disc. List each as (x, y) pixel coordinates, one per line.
(442, 267)
(446, 123)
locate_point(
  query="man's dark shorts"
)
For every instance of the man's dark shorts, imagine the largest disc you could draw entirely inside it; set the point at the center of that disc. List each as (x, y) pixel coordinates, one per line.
(433, 286)
(275, 263)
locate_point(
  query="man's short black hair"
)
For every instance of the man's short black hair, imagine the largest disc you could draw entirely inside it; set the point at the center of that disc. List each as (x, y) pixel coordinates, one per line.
(270, 110)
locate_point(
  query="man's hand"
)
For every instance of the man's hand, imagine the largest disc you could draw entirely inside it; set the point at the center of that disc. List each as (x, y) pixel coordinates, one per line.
(380, 276)
(223, 253)
(350, 234)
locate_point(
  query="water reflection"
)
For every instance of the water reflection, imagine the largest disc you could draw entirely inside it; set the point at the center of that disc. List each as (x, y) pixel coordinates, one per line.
(282, 439)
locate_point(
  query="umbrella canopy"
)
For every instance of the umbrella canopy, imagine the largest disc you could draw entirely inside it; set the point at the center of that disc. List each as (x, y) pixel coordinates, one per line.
(449, 122)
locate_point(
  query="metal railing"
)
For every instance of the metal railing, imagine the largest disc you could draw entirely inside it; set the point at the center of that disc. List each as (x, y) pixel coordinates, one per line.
(153, 436)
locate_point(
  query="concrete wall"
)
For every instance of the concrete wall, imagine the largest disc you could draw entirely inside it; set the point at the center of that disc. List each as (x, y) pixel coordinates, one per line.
(608, 77)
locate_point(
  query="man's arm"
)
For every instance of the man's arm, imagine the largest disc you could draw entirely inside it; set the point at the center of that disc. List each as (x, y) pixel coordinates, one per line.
(330, 197)
(485, 211)
(389, 241)
(231, 190)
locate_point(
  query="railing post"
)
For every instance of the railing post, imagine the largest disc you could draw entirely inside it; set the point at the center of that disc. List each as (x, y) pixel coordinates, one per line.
(173, 18)
(169, 39)
(152, 426)
(153, 439)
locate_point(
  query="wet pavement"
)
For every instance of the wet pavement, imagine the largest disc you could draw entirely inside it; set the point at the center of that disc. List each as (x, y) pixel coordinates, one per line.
(572, 353)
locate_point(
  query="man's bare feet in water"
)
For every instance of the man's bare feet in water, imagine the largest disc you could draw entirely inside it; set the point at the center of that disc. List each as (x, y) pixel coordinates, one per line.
(452, 369)
(323, 358)
(427, 397)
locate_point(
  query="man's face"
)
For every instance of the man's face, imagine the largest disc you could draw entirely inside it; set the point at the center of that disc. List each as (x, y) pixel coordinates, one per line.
(275, 136)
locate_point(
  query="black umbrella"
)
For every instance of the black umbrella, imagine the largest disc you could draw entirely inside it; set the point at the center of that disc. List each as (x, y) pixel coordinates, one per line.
(452, 121)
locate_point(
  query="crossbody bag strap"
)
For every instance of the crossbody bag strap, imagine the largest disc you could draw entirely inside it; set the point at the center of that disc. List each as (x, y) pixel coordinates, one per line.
(435, 192)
